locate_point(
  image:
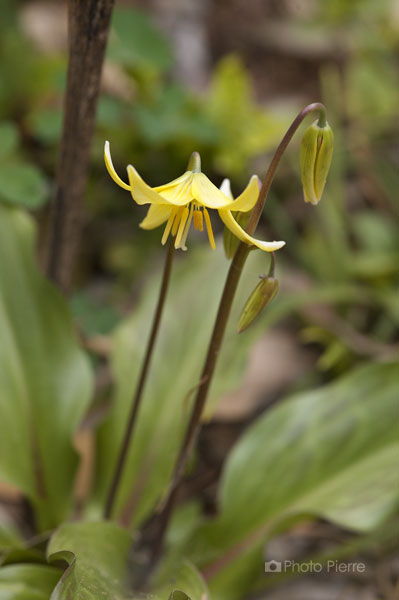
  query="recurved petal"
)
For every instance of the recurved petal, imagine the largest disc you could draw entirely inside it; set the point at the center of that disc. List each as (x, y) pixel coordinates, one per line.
(141, 192)
(207, 194)
(247, 200)
(111, 169)
(156, 215)
(235, 228)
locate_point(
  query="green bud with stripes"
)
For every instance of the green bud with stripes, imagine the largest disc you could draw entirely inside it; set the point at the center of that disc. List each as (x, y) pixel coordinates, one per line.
(315, 158)
(262, 295)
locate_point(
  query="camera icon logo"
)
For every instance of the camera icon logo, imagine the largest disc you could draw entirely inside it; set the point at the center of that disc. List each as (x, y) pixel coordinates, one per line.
(272, 566)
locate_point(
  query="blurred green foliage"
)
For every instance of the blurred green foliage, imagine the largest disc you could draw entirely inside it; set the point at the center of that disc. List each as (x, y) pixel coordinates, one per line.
(21, 182)
(136, 43)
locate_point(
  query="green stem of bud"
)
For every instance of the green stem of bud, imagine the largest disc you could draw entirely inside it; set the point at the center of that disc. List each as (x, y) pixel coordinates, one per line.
(322, 119)
(272, 264)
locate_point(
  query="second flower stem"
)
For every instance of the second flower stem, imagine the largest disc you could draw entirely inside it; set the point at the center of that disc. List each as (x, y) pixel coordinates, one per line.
(223, 314)
(130, 427)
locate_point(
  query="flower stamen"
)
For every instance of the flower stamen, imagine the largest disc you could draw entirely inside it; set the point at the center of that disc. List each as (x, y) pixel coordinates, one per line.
(182, 224)
(198, 220)
(187, 228)
(176, 222)
(169, 226)
(209, 229)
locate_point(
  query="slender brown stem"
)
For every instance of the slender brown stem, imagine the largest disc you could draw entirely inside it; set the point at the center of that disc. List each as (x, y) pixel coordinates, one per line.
(222, 316)
(127, 440)
(88, 23)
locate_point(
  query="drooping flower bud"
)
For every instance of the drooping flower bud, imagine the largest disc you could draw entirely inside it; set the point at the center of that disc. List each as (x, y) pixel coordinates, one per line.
(315, 157)
(261, 296)
(230, 241)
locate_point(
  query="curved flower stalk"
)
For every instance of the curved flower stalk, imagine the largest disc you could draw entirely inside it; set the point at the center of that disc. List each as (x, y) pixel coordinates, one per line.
(186, 200)
(179, 203)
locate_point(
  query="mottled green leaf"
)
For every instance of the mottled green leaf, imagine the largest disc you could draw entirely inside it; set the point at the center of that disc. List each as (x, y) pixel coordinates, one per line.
(331, 452)
(45, 379)
(96, 553)
(98, 557)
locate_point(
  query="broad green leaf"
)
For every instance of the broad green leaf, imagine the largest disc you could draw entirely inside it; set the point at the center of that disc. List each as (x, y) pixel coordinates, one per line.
(45, 379)
(331, 452)
(9, 138)
(97, 554)
(28, 582)
(22, 184)
(98, 557)
(196, 283)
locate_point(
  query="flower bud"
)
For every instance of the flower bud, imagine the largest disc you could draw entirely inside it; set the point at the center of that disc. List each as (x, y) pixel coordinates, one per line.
(315, 157)
(261, 296)
(230, 241)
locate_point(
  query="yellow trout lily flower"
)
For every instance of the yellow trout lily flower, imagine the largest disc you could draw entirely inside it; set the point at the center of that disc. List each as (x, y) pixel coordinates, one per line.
(186, 200)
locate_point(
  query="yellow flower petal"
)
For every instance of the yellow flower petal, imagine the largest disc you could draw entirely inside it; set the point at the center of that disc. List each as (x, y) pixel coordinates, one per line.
(178, 194)
(141, 192)
(247, 200)
(172, 184)
(234, 227)
(111, 169)
(208, 194)
(156, 215)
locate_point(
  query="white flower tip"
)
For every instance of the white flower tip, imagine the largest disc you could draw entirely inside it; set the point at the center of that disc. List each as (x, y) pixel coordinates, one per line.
(225, 188)
(256, 178)
(131, 172)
